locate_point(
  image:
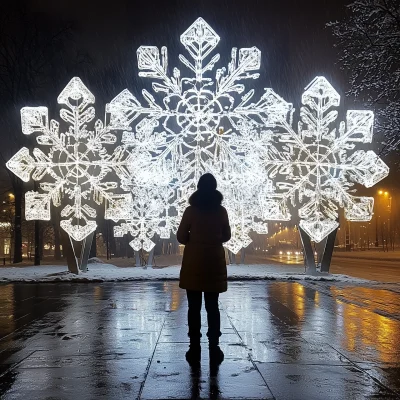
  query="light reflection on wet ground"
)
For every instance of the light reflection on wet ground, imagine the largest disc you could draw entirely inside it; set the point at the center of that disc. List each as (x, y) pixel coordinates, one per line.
(282, 339)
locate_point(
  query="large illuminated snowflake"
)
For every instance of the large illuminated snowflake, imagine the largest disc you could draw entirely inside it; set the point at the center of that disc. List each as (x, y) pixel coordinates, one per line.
(182, 132)
(78, 161)
(318, 166)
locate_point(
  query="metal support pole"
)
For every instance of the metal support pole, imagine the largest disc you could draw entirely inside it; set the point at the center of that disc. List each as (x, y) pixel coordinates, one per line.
(226, 256)
(242, 255)
(328, 251)
(138, 262)
(75, 264)
(37, 243)
(68, 250)
(150, 259)
(309, 260)
(232, 257)
(107, 240)
(86, 246)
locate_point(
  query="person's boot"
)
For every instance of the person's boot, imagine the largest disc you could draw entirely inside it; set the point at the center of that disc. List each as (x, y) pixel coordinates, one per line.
(216, 354)
(193, 355)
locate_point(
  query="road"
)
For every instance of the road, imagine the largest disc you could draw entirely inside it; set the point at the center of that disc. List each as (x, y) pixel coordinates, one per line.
(373, 269)
(377, 270)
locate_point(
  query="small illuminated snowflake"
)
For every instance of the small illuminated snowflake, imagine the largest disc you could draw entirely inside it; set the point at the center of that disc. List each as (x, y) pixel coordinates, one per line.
(149, 214)
(77, 163)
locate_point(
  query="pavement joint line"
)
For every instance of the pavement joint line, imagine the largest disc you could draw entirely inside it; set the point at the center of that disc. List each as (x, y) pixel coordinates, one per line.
(303, 363)
(16, 364)
(355, 365)
(19, 328)
(150, 362)
(249, 352)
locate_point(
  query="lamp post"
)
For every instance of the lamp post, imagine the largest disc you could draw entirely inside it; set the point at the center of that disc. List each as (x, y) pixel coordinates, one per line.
(383, 195)
(380, 192)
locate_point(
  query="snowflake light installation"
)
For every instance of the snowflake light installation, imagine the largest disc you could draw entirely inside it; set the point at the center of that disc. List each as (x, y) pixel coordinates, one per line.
(261, 163)
(76, 164)
(313, 163)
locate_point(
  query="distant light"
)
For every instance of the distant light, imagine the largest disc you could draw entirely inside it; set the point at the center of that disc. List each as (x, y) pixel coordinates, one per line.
(281, 252)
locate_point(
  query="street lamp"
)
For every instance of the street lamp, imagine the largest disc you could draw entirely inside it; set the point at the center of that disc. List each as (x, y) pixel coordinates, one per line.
(385, 195)
(380, 193)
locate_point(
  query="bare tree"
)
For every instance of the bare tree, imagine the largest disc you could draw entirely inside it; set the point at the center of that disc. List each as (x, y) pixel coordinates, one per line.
(33, 56)
(369, 41)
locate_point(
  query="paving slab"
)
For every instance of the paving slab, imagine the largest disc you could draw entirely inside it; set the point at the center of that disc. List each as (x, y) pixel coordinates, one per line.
(316, 382)
(236, 379)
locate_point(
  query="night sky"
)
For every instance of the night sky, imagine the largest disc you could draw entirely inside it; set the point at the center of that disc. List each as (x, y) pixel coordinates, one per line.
(291, 35)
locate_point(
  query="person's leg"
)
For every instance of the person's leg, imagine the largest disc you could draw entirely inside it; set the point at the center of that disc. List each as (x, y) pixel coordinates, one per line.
(213, 318)
(194, 315)
(193, 355)
(214, 328)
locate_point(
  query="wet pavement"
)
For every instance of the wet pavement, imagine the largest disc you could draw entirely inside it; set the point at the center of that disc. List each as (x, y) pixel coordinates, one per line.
(281, 339)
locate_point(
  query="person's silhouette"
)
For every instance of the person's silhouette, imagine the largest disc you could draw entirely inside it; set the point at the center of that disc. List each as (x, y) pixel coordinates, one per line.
(203, 230)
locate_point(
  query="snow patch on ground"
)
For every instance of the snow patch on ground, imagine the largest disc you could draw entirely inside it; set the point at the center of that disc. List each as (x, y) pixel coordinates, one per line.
(100, 272)
(95, 260)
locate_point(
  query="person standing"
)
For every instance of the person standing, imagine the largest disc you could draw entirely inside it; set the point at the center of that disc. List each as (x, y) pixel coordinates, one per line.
(203, 230)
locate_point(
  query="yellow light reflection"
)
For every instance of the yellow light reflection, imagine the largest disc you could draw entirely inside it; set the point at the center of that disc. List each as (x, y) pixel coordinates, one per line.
(364, 329)
(98, 293)
(7, 303)
(176, 294)
(290, 294)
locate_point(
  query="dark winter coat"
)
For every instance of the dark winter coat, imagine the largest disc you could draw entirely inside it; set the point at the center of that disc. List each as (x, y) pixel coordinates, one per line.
(203, 230)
